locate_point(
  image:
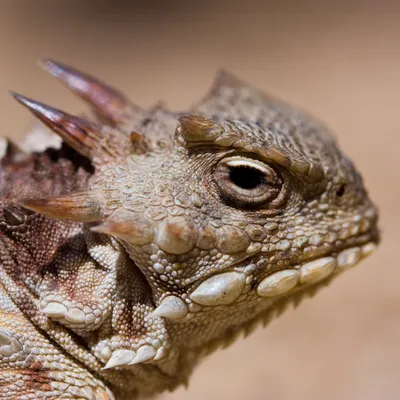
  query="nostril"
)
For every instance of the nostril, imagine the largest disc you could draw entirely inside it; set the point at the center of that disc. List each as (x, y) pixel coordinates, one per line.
(340, 192)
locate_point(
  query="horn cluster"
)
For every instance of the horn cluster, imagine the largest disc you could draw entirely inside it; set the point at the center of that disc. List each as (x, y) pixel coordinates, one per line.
(101, 144)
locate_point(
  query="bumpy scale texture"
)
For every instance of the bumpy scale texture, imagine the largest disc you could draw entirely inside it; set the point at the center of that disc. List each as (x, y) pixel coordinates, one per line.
(148, 239)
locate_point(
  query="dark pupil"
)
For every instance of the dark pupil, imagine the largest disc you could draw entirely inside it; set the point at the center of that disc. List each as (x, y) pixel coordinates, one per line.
(246, 177)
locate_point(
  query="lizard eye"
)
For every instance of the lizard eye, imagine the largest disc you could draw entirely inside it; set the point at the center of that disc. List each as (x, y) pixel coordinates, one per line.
(245, 182)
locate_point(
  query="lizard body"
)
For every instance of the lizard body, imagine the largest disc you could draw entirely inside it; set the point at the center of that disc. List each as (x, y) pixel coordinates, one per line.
(151, 238)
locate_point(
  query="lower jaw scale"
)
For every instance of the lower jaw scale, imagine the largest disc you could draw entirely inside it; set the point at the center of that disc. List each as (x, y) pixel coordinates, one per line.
(125, 357)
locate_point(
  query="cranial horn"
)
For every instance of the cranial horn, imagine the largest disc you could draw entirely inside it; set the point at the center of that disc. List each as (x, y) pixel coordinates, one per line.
(105, 100)
(80, 207)
(85, 137)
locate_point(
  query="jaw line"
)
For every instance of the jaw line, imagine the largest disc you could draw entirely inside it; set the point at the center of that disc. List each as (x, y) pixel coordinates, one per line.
(277, 305)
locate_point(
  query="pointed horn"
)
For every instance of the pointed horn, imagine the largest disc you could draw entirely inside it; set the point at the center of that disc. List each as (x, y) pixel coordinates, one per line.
(224, 91)
(135, 229)
(171, 307)
(80, 207)
(119, 358)
(195, 128)
(225, 79)
(144, 353)
(10, 151)
(105, 100)
(83, 136)
(14, 152)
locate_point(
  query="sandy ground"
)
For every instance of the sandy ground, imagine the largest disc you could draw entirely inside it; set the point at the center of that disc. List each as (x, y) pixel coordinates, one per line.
(340, 62)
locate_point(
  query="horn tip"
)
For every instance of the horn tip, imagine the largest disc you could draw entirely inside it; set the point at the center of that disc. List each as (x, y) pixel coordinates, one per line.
(17, 96)
(39, 109)
(53, 67)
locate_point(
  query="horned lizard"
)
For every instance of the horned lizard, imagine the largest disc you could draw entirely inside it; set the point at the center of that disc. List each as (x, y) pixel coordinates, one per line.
(151, 238)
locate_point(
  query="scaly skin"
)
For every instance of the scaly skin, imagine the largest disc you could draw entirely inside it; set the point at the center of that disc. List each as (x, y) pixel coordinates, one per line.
(152, 238)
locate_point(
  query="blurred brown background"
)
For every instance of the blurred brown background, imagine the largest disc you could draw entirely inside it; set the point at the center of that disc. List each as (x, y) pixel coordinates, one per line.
(342, 62)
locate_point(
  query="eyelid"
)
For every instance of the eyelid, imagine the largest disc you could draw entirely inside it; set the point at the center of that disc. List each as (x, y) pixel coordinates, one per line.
(250, 163)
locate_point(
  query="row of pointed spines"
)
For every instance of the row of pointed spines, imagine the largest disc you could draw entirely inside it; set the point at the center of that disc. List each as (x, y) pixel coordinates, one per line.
(95, 141)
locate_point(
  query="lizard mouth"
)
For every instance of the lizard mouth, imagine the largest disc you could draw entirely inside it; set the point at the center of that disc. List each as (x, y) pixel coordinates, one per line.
(274, 274)
(241, 281)
(311, 268)
(312, 271)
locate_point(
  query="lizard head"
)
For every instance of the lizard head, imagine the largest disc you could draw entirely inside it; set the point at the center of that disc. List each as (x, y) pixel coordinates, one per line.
(229, 211)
